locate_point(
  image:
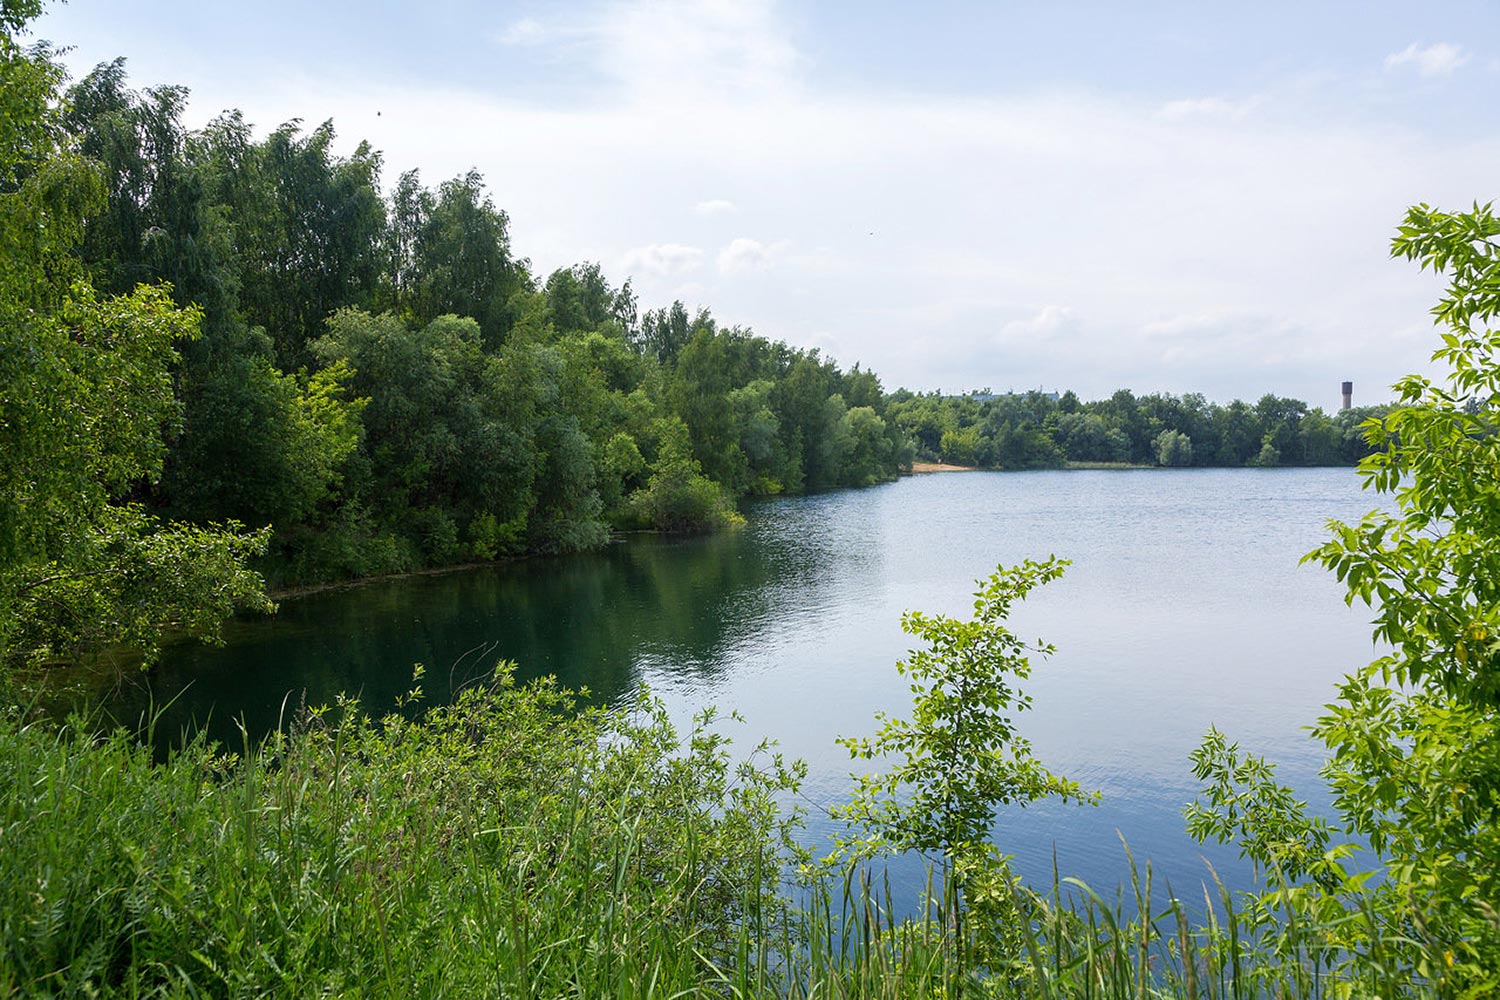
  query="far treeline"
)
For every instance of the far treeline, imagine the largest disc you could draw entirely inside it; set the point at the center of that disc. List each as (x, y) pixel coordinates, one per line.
(337, 383)
(1036, 430)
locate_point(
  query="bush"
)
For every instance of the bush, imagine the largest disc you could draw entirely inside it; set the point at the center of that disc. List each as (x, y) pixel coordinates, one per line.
(512, 844)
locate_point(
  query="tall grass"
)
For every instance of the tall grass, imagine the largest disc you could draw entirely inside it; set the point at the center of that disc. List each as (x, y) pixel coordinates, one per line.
(517, 845)
(512, 844)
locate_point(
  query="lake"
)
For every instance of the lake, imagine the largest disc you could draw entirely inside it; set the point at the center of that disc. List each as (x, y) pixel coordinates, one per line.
(1185, 606)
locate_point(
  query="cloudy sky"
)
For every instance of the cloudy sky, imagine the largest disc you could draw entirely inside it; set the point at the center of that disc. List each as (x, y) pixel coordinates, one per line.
(1169, 196)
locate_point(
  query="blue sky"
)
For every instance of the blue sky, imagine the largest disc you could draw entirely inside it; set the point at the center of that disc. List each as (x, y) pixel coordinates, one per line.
(1178, 197)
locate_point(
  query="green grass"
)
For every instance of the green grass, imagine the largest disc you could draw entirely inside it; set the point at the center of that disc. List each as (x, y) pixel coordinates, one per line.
(517, 845)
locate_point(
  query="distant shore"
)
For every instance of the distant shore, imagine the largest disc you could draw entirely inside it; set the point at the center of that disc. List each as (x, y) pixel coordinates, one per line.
(920, 467)
(917, 467)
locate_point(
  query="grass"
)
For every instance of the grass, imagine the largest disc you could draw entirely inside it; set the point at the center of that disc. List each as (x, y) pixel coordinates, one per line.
(515, 844)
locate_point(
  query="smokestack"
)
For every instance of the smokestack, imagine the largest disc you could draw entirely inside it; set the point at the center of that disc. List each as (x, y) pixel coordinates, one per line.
(1348, 395)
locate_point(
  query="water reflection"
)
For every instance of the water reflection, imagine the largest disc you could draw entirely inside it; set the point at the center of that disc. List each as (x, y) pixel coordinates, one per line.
(1185, 606)
(673, 610)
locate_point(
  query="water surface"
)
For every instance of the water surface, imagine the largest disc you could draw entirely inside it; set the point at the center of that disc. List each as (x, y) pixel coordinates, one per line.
(1185, 606)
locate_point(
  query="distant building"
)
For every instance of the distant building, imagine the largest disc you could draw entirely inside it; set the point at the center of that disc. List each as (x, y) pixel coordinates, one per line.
(1348, 395)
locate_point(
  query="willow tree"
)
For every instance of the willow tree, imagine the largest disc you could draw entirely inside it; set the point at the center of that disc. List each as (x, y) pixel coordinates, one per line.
(84, 396)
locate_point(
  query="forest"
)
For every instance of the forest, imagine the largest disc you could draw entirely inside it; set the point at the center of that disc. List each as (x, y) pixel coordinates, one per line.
(1037, 430)
(384, 380)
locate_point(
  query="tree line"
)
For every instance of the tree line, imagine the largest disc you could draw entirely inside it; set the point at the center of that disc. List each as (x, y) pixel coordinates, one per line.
(1036, 430)
(233, 359)
(385, 381)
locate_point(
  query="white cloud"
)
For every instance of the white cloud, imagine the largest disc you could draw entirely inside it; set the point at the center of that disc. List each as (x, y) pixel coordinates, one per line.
(744, 255)
(724, 46)
(675, 49)
(1438, 59)
(715, 206)
(661, 259)
(1050, 322)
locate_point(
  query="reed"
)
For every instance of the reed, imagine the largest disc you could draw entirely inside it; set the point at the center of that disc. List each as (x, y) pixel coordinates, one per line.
(517, 844)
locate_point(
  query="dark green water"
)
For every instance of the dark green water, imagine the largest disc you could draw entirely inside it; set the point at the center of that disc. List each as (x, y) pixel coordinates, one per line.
(1185, 606)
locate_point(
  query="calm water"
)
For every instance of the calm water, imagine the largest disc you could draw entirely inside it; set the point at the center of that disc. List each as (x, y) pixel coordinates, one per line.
(1184, 607)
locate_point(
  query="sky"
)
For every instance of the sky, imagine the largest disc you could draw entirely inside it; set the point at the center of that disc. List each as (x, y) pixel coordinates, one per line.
(1177, 197)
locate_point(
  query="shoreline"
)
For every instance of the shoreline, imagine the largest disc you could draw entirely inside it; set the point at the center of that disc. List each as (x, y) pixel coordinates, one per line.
(922, 468)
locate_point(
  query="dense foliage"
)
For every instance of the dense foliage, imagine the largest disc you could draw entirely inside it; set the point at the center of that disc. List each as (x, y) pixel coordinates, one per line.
(384, 382)
(511, 844)
(85, 396)
(1036, 430)
(211, 343)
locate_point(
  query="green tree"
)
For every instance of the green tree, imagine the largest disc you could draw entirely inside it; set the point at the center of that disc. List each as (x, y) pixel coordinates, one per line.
(82, 407)
(84, 396)
(677, 496)
(801, 404)
(255, 445)
(157, 223)
(1269, 455)
(449, 434)
(261, 447)
(758, 438)
(1087, 437)
(1173, 449)
(1322, 440)
(1414, 738)
(464, 265)
(580, 299)
(698, 391)
(869, 451)
(665, 332)
(923, 418)
(960, 756)
(306, 225)
(409, 207)
(960, 447)
(1282, 422)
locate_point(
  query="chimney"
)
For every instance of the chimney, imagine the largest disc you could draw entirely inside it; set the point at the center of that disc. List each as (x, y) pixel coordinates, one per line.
(1348, 395)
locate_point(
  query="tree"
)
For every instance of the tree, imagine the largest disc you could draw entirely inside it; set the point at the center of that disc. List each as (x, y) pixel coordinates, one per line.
(450, 435)
(580, 300)
(923, 418)
(677, 496)
(1322, 439)
(1173, 449)
(82, 405)
(410, 206)
(960, 756)
(1414, 738)
(258, 446)
(464, 265)
(960, 447)
(85, 392)
(306, 225)
(664, 332)
(869, 449)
